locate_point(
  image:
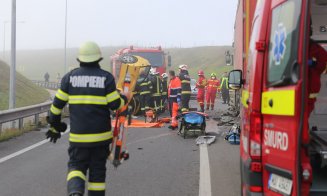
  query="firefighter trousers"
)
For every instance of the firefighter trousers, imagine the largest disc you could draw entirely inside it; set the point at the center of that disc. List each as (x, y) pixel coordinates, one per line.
(211, 96)
(144, 102)
(163, 102)
(225, 95)
(157, 103)
(173, 109)
(200, 99)
(83, 160)
(185, 98)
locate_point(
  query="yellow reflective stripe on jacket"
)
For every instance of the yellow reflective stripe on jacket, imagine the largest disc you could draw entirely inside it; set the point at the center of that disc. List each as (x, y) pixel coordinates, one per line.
(144, 84)
(164, 93)
(96, 186)
(156, 94)
(55, 110)
(89, 138)
(282, 102)
(75, 173)
(313, 95)
(122, 103)
(87, 99)
(186, 81)
(112, 96)
(186, 92)
(144, 92)
(62, 95)
(245, 98)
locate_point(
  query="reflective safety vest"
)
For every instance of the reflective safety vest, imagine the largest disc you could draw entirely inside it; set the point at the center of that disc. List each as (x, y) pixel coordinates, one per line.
(224, 83)
(213, 85)
(174, 89)
(186, 82)
(91, 93)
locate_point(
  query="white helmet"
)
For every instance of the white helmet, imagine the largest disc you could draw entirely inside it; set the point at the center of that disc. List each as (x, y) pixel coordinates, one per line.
(164, 75)
(183, 67)
(89, 52)
(153, 71)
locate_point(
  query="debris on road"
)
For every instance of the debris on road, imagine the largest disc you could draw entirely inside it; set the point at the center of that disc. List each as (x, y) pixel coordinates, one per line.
(233, 135)
(205, 140)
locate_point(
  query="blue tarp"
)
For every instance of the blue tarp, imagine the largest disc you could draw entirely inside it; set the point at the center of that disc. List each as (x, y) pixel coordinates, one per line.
(193, 118)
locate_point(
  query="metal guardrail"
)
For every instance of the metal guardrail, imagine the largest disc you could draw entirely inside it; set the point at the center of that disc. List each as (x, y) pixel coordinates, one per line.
(48, 85)
(23, 112)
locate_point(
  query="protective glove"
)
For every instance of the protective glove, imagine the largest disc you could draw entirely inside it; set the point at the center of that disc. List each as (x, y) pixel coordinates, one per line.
(55, 129)
(53, 135)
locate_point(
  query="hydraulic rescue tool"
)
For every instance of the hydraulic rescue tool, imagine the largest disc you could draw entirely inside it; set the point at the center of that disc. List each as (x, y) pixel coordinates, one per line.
(130, 70)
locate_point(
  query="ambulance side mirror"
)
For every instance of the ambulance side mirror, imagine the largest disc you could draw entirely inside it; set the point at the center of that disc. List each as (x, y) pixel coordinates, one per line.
(235, 79)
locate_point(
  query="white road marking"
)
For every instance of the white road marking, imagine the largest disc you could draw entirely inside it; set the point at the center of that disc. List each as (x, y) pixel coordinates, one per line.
(205, 179)
(13, 155)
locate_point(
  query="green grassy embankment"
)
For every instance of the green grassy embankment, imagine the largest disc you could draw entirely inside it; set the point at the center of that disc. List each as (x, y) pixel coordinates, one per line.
(27, 93)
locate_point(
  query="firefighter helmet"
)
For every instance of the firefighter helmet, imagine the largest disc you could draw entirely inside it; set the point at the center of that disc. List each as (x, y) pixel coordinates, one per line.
(183, 67)
(89, 52)
(164, 75)
(153, 71)
(200, 73)
(213, 75)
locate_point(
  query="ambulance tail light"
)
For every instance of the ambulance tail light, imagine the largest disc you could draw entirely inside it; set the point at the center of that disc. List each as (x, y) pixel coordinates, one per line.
(255, 135)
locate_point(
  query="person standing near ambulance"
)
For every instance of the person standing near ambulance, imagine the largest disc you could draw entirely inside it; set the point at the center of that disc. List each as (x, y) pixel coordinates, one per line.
(212, 89)
(174, 96)
(186, 87)
(91, 93)
(224, 88)
(164, 93)
(201, 85)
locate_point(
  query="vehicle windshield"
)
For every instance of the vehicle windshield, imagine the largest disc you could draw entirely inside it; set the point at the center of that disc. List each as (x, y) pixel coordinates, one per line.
(156, 59)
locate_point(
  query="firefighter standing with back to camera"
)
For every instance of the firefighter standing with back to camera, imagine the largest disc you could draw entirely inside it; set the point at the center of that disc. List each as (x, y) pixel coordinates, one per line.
(164, 81)
(144, 88)
(212, 89)
(174, 96)
(91, 92)
(186, 87)
(201, 85)
(156, 90)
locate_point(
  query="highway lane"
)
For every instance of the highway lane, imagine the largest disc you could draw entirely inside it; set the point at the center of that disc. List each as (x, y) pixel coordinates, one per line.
(161, 163)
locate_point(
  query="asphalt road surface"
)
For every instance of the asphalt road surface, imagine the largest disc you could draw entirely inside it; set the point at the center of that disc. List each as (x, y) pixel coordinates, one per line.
(161, 163)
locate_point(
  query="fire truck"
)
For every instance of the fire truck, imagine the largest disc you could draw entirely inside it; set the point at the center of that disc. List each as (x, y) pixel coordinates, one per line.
(283, 148)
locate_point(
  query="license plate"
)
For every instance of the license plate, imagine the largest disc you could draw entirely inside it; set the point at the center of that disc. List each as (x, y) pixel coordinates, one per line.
(280, 184)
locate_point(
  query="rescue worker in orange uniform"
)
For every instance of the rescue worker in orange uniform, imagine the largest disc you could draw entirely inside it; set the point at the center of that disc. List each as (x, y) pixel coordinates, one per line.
(201, 85)
(317, 66)
(174, 96)
(212, 89)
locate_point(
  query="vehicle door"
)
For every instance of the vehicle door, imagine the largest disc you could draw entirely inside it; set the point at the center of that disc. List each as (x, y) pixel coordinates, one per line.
(281, 98)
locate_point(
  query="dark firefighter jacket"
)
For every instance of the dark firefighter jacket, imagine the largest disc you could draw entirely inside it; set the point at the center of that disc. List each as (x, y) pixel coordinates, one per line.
(156, 85)
(90, 93)
(164, 87)
(186, 82)
(143, 85)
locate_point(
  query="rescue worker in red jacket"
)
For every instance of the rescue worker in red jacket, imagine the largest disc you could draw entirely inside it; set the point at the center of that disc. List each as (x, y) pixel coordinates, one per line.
(317, 66)
(212, 89)
(91, 93)
(201, 85)
(174, 96)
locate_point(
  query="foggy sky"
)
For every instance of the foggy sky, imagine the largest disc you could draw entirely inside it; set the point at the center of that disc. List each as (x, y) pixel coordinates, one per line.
(170, 23)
